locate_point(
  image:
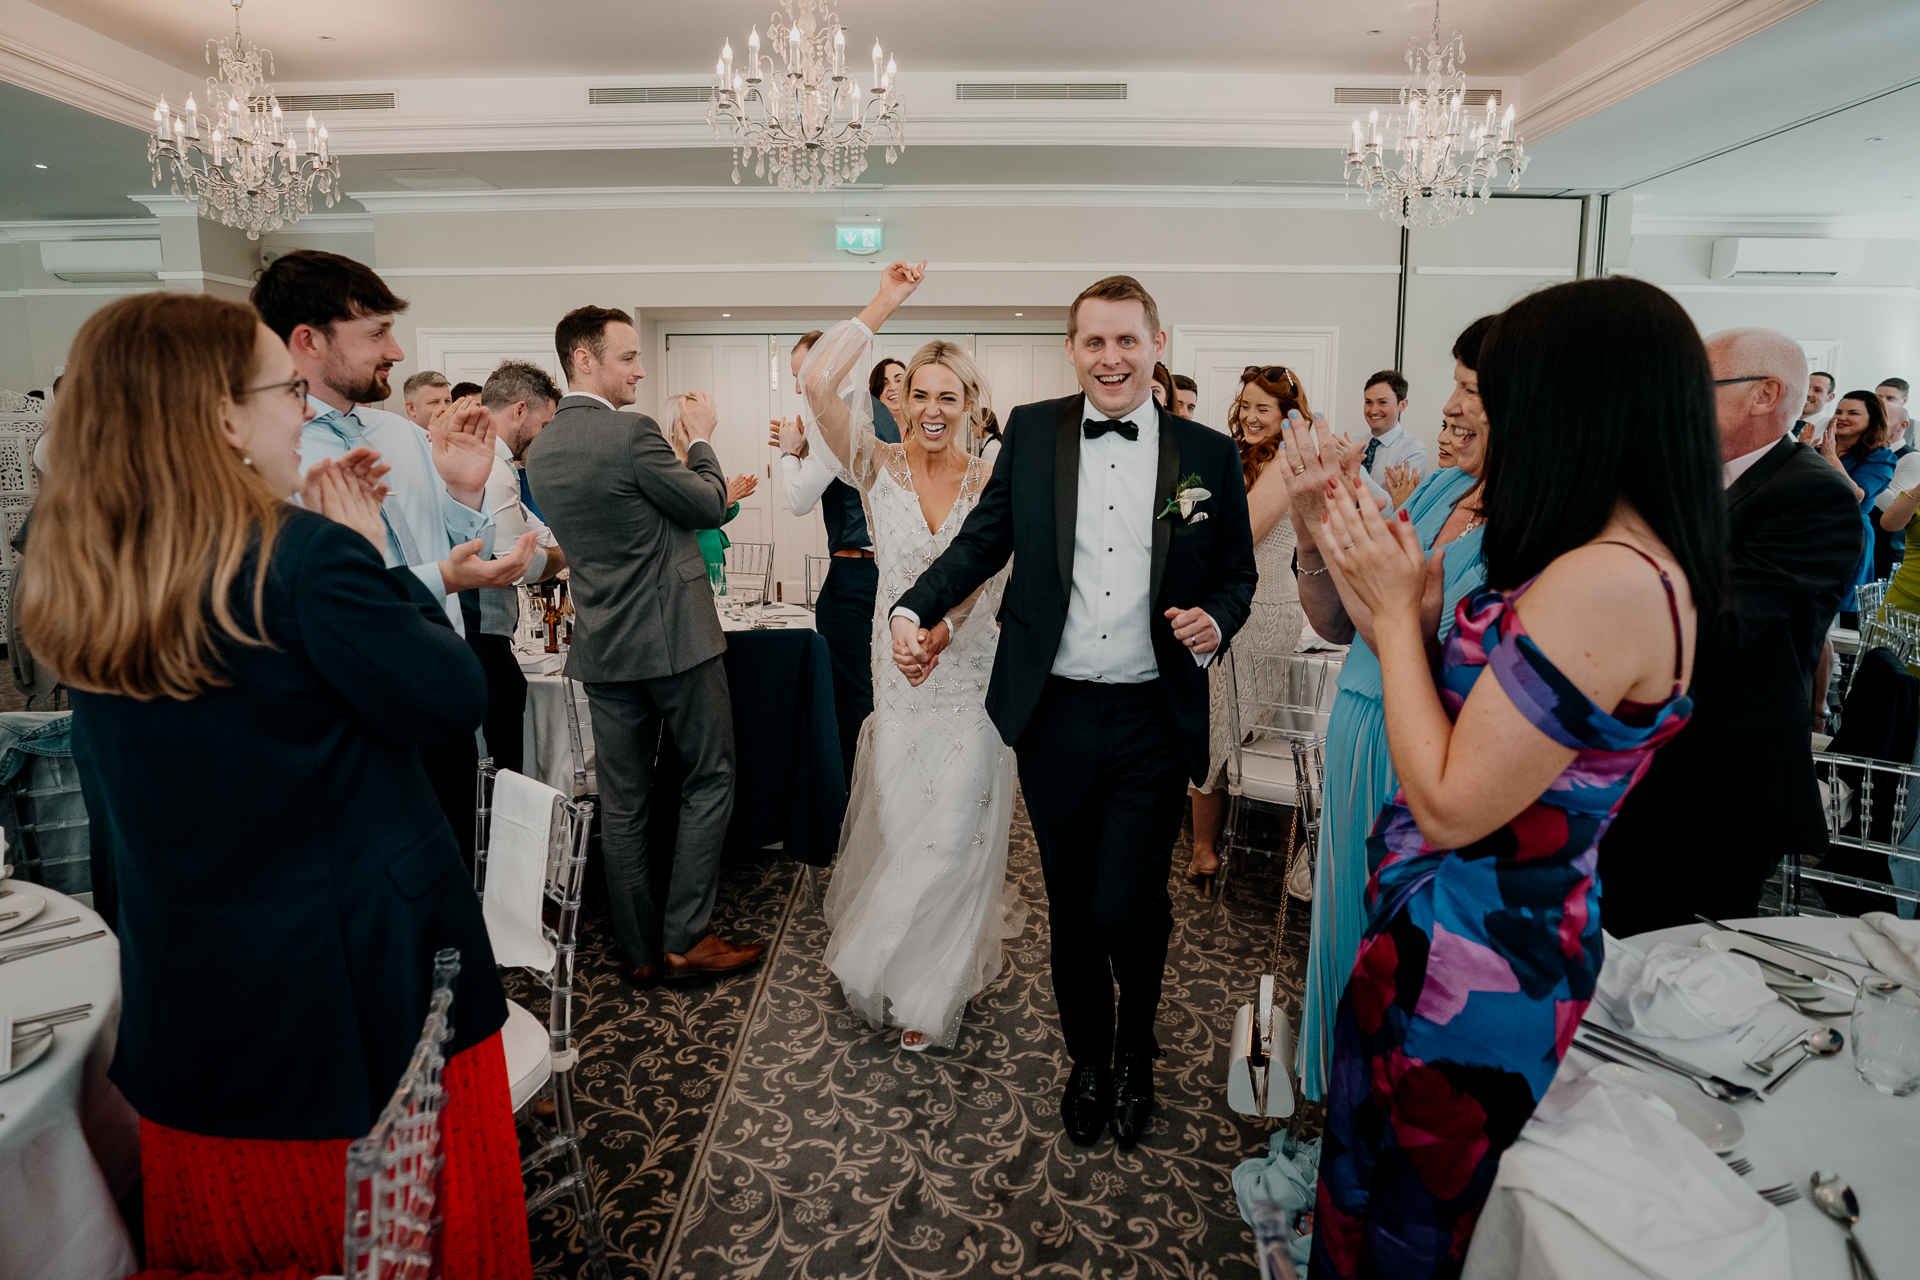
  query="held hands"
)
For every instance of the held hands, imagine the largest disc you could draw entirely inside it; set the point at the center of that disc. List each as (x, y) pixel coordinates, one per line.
(916, 651)
(698, 417)
(1380, 559)
(1194, 629)
(463, 449)
(463, 569)
(739, 487)
(788, 436)
(347, 490)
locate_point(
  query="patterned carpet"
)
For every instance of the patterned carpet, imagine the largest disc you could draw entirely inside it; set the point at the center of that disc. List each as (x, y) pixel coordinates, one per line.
(752, 1126)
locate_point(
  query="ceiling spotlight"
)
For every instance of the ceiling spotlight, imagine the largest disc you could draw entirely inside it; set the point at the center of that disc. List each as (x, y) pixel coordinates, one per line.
(1876, 139)
(1018, 314)
(39, 166)
(726, 315)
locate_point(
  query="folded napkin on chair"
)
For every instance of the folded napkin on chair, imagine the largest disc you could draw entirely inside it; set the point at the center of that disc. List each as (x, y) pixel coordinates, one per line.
(1619, 1165)
(1889, 944)
(1682, 992)
(541, 664)
(517, 870)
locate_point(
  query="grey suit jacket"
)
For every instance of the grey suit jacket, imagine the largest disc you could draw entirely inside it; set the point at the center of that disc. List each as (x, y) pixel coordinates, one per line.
(625, 509)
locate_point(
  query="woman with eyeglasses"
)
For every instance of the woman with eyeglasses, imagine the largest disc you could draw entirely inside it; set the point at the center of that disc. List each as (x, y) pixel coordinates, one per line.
(1266, 397)
(250, 686)
(1445, 510)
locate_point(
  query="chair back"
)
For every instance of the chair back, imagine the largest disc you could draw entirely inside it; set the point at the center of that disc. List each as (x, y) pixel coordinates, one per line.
(817, 567)
(572, 691)
(1871, 596)
(562, 888)
(1275, 701)
(42, 811)
(393, 1174)
(750, 572)
(1872, 806)
(1889, 628)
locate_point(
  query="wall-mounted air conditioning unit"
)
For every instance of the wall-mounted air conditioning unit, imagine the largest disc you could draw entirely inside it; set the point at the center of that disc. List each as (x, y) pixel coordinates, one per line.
(101, 261)
(1806, 258)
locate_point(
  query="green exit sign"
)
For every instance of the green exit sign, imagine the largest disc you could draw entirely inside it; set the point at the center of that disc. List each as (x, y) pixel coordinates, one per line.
(857, 237)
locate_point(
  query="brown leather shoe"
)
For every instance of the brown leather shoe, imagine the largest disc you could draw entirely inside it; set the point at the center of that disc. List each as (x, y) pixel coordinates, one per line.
(647, 974)
(711, 955)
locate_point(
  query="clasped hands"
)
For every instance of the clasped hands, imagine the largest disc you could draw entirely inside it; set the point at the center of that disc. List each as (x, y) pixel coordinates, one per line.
(917, 649)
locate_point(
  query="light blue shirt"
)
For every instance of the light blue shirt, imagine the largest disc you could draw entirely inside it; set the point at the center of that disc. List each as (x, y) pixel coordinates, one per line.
(424, 522)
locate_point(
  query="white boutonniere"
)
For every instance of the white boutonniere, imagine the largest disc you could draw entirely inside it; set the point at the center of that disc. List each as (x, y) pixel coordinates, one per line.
(1187, 495)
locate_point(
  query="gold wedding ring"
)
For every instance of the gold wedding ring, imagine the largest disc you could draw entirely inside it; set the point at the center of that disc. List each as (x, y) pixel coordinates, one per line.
(1299, 471)
(1348, 547)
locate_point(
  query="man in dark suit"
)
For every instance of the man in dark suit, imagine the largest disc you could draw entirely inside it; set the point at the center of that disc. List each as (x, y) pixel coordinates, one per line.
(1735, 791)
(1122, 591)
(647, 643)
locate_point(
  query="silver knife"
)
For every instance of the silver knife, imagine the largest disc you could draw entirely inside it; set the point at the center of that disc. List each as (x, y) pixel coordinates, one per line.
(52, 945)
(1828, 983)
(1686, 1068)
(1788, 943)
(38, 928)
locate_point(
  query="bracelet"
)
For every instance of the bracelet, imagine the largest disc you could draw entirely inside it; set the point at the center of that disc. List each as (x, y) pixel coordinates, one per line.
(1311, 573)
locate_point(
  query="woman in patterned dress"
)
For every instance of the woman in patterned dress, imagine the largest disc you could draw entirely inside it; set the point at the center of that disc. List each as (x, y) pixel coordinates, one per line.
(1266, 396)
(1483, 944)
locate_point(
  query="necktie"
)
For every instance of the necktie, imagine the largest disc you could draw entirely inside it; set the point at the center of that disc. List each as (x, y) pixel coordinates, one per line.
(526, 493)
(349, 430)
(1373, 448)
(1097, 427)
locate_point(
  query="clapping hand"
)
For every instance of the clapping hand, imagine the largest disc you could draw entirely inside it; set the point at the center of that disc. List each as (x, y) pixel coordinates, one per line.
(1401, 481)
(698, 417)
(1380, 559)
(463, 453)
(788, 437)
(463, 569)
(739, 487)
(916, 651)
(1310, 469)
(348, 491)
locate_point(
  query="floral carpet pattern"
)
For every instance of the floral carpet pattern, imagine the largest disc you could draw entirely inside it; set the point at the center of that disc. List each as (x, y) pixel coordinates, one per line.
(753, 1126)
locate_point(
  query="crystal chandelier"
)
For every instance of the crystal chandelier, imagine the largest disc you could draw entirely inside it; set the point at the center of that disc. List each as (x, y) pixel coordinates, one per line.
(1444, 155)
(240, 161)
(813, 124)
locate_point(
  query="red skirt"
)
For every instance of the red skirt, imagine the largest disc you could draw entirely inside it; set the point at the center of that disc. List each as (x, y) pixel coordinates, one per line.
(226, 1208)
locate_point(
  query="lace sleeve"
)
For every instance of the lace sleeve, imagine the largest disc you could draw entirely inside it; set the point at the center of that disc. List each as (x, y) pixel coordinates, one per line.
(835, 409)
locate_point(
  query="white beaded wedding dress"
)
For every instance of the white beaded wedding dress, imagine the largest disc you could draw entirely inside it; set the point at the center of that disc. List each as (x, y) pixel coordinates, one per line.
(919, 905)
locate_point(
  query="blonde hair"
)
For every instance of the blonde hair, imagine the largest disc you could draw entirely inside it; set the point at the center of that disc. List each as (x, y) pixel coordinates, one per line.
(670, 424)
(148, 513)
(973, 387)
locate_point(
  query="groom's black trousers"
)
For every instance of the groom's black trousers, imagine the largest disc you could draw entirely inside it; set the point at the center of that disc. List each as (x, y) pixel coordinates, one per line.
(1104, 786)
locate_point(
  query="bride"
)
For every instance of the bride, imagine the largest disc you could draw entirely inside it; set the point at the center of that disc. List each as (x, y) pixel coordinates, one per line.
(919, 905)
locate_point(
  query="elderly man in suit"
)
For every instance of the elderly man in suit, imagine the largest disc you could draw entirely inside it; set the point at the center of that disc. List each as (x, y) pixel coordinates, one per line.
(647, 643)
(1735, 791)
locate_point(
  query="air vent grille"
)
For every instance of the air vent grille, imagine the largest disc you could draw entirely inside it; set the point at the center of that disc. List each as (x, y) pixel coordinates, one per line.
(297, 102)
(1040, 92)
(1356, 97)
(648, 95)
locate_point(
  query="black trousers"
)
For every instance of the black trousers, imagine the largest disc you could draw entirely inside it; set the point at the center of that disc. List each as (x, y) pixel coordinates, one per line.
(843, 614)
(1104, 786)
(452, 768)
(505, 725)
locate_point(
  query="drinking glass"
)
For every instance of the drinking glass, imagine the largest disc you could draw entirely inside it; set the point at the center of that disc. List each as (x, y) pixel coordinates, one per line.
(1886, 1036)
(717, 579)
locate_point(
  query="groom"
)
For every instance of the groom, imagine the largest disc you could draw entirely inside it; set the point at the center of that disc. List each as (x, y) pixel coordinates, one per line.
(1119, 599)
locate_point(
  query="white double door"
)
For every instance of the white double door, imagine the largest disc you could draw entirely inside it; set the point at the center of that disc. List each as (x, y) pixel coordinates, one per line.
(751, 381)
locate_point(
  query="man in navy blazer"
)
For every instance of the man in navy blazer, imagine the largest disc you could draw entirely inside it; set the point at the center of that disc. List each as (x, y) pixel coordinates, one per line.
(1132, 569)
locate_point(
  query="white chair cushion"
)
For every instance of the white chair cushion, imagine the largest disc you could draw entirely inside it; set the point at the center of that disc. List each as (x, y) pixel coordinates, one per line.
(529, 1061)
(1266, 779)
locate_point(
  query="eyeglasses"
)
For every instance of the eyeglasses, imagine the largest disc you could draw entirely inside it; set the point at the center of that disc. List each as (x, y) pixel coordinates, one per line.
(1727, 382)
(1459, 433)
(296, 390)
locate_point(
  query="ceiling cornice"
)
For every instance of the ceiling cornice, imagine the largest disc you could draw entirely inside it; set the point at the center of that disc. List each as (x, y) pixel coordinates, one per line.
(88, 229)
(69, 82)
(864, 198)
(1587, 77)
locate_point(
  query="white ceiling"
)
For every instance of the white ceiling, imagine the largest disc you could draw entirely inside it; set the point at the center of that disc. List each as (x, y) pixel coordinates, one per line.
(358, 40)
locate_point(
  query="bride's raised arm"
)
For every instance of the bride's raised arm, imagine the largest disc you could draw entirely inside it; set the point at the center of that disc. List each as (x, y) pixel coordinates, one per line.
(836, 409)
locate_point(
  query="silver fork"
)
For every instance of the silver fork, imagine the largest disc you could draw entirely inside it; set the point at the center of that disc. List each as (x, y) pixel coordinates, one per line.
(1785, 1193)
(1741, 1166)
(1709, 1087)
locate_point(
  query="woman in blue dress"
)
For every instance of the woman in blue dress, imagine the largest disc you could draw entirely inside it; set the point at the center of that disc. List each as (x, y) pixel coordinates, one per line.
(1855, 442)
(1445, 512)
(1556, 686)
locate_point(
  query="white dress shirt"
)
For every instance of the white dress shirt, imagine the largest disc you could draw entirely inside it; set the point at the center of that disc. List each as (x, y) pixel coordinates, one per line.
(589, 395)
(804, 480)
(424, 522)
(1397, 449)
(1906, 477)
(1731, 471)
(510, 515)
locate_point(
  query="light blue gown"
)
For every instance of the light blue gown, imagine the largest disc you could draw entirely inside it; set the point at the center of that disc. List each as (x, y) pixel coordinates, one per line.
(1360, 780)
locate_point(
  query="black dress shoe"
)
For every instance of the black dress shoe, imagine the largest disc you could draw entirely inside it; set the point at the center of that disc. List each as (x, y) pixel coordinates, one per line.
(1087, 1103)
(1132, 1095)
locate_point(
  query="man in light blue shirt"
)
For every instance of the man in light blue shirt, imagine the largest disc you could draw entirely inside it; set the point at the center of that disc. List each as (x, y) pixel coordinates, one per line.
(336, 317)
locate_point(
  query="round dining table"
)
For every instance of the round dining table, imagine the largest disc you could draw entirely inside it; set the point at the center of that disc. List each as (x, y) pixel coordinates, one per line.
(1823, 1117)
(69, 1143)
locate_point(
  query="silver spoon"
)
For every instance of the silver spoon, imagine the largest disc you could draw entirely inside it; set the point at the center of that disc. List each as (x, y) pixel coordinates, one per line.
(1836, 1200)
(1765, 1065)
(1822, 1042)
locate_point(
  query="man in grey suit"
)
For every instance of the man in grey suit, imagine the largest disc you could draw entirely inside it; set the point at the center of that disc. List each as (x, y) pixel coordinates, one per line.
(647, 643)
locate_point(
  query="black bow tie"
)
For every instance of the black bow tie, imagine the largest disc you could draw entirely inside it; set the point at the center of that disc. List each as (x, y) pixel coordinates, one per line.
(1097, 427)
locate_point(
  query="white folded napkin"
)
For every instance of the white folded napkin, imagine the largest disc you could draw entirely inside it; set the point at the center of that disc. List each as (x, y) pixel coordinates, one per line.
(517, 871)
(541, 664)
(1681, 992)
(1618, 1163)
(1889, 944)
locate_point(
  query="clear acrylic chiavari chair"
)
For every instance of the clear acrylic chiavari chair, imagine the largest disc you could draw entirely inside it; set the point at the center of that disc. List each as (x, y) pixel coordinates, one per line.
(750, 572)
(557, 1135)
(1872, 806)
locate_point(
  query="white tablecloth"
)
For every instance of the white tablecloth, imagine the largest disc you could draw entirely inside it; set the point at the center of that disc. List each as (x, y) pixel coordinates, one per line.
(1825, 1117)
(549, 749)
(69, 1143)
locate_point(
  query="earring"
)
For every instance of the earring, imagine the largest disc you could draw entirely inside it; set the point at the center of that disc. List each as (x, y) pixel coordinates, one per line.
(246, 462)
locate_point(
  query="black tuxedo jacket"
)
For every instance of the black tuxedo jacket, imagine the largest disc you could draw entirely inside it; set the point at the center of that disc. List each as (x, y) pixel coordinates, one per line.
(1740, 775)
(1029, 511)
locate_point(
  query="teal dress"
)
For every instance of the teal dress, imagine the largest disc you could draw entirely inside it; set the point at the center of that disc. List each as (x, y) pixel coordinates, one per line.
(1360, 779)
(714, 543)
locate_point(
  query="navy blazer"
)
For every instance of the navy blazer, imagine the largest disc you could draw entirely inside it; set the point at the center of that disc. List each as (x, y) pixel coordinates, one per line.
(285, 874)
(1029, 511)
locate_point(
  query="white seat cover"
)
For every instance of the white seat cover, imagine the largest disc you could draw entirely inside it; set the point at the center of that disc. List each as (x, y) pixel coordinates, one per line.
(529, 1064)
